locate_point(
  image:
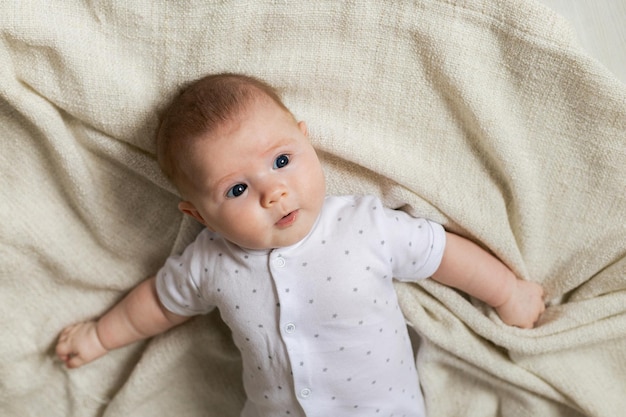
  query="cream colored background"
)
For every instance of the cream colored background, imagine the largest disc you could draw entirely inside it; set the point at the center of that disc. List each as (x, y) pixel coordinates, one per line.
(600, 26)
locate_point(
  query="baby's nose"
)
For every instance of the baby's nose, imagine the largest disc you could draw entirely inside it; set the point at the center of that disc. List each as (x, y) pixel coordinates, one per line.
(273, 195)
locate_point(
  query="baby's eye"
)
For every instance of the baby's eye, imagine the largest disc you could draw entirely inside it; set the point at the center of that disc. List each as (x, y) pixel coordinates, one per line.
(281, 161)
(236, 191)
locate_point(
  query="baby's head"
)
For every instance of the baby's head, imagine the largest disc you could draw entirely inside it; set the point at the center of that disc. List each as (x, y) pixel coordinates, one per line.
(201, 108)
(242, 163)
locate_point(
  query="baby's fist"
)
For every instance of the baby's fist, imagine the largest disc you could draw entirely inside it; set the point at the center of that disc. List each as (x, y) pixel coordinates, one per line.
(524, 306)
(79, 344)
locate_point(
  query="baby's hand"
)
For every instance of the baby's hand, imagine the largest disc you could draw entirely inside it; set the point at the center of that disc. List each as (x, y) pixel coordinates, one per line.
(524, 306)
(79, 344)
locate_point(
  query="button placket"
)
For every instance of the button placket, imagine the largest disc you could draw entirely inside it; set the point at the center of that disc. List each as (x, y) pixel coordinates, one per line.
(289, 329)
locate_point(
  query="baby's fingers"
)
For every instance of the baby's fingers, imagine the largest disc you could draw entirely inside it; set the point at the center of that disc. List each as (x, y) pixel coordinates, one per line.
(74, 360)
(63, 348)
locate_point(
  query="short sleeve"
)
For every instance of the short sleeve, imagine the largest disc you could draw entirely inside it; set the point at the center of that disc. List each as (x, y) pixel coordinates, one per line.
(417, 245)
(177, 283)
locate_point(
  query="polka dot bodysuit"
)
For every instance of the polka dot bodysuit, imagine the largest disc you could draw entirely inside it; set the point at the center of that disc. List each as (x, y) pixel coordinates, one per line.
(317, 323)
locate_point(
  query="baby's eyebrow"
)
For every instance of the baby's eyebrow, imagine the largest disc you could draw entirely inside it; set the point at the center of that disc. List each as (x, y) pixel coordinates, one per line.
(280, 143)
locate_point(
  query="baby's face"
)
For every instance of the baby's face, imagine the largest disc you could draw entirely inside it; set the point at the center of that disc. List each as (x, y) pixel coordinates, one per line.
(257, 180)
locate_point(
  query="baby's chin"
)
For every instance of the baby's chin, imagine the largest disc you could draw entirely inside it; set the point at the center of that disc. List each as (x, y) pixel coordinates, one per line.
(283, 240)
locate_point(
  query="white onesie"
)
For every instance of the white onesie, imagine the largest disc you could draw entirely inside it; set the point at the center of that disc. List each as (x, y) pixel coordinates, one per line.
(317, 323)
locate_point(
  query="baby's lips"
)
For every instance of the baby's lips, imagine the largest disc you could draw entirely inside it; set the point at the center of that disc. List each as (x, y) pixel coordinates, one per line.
(288, 220)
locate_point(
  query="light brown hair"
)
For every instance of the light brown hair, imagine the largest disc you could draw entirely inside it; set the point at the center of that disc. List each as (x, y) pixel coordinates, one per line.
(202, 107)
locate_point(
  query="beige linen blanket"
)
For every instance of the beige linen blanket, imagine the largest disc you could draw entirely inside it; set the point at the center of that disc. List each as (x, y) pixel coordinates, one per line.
(483, 115)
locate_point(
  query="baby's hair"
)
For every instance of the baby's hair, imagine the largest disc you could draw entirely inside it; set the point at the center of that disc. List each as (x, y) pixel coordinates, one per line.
(202, 107)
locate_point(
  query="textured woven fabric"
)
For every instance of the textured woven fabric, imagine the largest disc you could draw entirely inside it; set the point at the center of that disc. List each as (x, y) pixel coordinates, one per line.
(482, 115)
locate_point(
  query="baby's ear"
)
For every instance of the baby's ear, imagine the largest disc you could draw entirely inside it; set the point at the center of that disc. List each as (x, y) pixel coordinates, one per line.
(303, 128)
(189, 209)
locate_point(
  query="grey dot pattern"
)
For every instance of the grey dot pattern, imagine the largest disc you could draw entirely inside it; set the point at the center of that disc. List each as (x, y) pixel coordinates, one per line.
(318, 323)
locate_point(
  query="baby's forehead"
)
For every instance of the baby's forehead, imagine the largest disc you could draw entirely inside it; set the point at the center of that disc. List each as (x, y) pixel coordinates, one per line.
(234, 121)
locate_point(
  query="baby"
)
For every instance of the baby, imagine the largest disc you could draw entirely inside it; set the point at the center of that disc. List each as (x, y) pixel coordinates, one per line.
(304, 280)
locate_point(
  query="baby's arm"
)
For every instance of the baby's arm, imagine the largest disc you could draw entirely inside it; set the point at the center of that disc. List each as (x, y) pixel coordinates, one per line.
(469, 268)
(138, 316)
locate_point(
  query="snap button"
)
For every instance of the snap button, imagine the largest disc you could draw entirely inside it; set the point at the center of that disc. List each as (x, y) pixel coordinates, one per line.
(290, 327)
(305, 392)
(279, 262)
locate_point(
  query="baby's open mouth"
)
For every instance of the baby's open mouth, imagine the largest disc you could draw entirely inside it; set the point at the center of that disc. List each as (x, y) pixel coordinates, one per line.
(288, 219)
